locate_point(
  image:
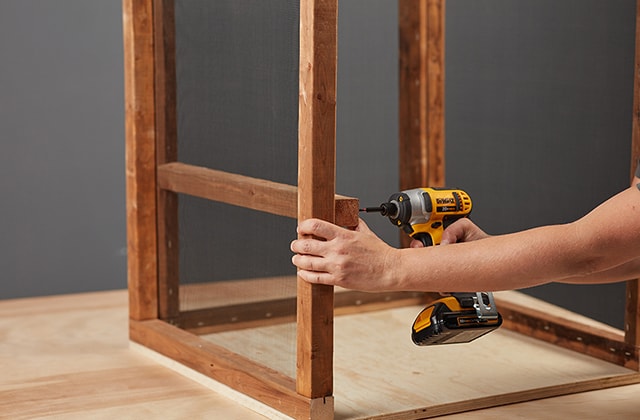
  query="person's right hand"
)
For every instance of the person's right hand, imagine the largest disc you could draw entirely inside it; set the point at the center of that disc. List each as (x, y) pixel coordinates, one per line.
(462, 230)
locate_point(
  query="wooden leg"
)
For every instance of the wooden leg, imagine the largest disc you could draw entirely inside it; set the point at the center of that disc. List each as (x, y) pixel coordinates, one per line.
(140, 159)
(316, 186)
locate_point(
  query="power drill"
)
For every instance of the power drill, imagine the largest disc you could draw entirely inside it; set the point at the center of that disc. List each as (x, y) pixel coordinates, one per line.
(424, 213)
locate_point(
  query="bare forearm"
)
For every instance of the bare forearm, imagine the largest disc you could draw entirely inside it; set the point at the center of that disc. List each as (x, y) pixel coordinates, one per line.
(496, 263)
(596, 248)
(626, 271)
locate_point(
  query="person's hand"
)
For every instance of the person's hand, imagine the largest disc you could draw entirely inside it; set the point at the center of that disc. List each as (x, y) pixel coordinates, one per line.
(462, 230)
(329, 254)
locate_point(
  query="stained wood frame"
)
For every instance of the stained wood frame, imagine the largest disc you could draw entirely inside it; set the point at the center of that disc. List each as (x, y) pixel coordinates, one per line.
(154, 179)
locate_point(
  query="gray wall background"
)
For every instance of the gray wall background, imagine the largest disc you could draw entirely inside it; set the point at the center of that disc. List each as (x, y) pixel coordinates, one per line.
(62, 211)
(542, 117)
(539, 118)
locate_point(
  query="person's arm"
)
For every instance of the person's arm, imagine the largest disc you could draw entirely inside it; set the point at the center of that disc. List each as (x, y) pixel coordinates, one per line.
(464, 230)
(606, 238)
(626, 271)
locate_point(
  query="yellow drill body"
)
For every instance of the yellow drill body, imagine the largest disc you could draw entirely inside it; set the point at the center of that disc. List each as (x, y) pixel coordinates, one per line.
(424, 213)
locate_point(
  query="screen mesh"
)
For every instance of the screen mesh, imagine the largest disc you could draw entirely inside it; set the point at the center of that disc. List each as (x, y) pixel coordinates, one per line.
(237, 111)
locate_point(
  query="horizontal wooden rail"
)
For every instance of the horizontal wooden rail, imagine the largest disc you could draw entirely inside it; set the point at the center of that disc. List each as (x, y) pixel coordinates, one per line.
(276, 311)
(244, 191)
(595, 341)
(253, 379)
(511, 398)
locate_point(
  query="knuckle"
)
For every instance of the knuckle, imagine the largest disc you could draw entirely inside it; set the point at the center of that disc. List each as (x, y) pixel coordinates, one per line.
(340, 266)
(315, 226)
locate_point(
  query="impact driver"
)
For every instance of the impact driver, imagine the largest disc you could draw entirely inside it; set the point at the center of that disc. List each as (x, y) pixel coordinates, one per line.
(424, 213)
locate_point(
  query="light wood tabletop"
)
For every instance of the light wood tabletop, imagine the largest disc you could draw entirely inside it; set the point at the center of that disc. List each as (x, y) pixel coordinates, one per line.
(69, 357)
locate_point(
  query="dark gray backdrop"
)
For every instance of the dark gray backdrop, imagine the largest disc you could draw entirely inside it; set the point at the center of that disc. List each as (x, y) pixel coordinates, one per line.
(539, 110)
(62, 211)
(538, 120)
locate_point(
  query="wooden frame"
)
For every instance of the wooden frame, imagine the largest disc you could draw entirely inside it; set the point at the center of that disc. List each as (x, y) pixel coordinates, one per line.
(154, 179)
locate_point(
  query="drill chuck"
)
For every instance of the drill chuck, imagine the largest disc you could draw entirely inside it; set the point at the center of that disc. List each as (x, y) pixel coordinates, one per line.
(386, 209)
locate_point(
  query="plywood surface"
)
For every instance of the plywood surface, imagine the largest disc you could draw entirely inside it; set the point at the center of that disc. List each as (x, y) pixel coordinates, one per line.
(378, 370)
(68, 357)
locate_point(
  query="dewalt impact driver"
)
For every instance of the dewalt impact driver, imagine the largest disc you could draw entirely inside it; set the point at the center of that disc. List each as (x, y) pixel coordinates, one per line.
(424, 213)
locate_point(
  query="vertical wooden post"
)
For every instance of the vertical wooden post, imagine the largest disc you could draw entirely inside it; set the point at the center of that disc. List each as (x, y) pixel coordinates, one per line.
(316, 190)
(632, 309)
(140, 159)
(421, 93)
(635, 134)
(167, 151)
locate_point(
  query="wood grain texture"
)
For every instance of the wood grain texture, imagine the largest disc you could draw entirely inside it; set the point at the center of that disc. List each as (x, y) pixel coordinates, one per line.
(435, 97)
(68, 357)
(165, 81)
(238, 372)
(421, 118)
(140, 158)
(380, 373)
(510, 398)
(316, 186)
(167, 151)
(632, 313)
(240, 190)
(530, 317)
(635, 120)
(632, 307)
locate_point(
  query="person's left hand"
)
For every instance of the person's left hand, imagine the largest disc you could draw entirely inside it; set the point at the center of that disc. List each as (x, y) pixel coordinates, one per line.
(462, 230)
(329, 254)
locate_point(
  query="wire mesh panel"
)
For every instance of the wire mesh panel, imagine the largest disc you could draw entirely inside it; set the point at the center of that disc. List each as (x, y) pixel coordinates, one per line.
(237, 86)
(236, 65)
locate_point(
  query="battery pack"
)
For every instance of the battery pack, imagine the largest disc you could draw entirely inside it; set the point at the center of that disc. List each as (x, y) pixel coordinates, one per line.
(446, 322)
